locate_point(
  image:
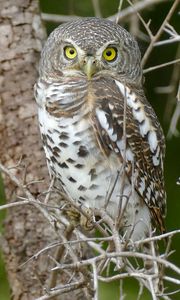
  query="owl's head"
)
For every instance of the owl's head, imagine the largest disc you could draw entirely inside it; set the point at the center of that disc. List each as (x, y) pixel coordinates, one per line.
(89, 47)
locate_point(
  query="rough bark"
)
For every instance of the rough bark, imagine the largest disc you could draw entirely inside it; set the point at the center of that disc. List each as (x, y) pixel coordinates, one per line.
(26, 231)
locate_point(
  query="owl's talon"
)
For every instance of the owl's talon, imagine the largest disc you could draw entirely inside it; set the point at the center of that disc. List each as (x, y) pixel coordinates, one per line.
(72, 214)
(87, 221)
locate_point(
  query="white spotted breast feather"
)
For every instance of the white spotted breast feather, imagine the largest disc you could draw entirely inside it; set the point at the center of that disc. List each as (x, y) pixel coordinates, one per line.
(136, 137)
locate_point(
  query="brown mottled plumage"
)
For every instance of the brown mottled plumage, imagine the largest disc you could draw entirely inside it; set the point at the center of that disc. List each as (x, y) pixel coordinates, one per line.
(96, 123)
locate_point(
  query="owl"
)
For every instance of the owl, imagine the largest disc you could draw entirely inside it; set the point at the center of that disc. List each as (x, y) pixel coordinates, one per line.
(102, 139)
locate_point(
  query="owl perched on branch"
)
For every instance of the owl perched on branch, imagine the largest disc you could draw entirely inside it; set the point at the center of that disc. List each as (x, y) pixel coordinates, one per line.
(101, 137)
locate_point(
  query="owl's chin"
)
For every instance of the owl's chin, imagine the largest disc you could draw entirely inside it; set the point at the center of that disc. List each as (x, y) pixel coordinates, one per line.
(78, 74)
(74, 73)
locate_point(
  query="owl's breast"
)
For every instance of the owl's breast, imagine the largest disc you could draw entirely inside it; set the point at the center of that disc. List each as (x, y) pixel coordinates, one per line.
(70, 141)
(73, 156)
(66, 97)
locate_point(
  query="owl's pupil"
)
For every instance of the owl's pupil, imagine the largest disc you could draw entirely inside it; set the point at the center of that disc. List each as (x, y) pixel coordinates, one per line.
(108, 53)
(71, 51)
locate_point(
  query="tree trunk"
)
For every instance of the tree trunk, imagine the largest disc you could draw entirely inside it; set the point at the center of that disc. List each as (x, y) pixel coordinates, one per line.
(26, 230)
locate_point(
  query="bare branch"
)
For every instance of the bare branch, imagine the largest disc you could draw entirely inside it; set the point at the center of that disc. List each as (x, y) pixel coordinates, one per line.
(158, 34)
(97, 10)
(174, 120)
(58, 18)
(76, 268)
(9, 205)
(96, 259)
(161, 66)
(121, 16)
(35, 202)
(119, 10)
(141, 5)
(61, 290)
(95, 276)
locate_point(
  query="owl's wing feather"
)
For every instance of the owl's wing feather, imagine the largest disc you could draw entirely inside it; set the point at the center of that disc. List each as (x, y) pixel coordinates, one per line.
(137, 139)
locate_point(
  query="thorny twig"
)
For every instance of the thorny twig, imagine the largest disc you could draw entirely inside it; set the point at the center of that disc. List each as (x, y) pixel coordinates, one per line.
(155, 38)
(103, 255)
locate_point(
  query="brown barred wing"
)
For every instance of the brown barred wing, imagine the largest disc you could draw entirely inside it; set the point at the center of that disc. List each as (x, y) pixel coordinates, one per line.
(137, 138)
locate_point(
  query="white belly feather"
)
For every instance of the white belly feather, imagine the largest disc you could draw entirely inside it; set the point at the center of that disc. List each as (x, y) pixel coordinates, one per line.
(76, 172)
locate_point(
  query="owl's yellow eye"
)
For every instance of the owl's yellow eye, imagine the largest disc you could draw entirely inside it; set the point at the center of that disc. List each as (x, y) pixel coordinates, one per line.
(110, 54)
(70, 52)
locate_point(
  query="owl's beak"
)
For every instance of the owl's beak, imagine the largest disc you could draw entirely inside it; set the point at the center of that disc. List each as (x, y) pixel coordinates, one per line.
(89, 66)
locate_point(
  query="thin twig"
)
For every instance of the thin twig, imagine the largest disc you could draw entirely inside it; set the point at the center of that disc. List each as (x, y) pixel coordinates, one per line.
(62, 289)
(95, 281)
(161, 66)
(174, 120)
(119, 10)
(97, 10)
(29, 196)
(139, 6)
(121, 16)
(158, 34)
(13, 204)
(59, 253)
(120, 254)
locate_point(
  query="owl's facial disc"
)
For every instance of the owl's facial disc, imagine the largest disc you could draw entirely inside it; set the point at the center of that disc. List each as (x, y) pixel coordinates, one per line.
(88, 61)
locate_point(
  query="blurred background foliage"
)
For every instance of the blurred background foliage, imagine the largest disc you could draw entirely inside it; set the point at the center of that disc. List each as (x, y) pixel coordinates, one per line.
(163, 104)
